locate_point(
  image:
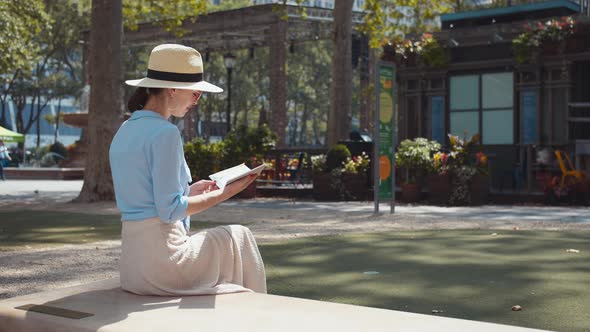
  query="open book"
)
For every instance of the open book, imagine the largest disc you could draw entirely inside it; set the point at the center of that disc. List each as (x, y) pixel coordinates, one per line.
(227, 176)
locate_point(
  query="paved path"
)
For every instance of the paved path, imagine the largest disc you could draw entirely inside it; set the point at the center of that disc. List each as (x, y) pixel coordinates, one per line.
(36, 192)
(36, 269)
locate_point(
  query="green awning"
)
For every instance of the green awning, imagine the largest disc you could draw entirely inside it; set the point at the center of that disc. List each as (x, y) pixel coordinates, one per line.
(9, 136)
(501, 11)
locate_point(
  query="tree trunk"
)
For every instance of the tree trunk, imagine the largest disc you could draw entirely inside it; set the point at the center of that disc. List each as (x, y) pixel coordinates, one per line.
(38, 130)
(20, 103)
(197, 118)
(4, 99)
(316, 131)
(3, 116)
(105, 112)
(278, 80)
(341, 88)
(57, 121)
(367, 86)
(303, 132)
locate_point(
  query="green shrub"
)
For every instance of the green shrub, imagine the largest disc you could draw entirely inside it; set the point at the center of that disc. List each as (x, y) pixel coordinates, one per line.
(203, 159)
(59, 148)
(416, 156)
(244, 145)
(247, 145)
(336, 155)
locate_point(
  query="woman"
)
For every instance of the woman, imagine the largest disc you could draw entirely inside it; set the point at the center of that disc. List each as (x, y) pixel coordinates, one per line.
(151, 180)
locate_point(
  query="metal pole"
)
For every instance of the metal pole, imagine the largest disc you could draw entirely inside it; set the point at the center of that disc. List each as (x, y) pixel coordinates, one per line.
(393, 138)
(228, 116)
(376, 178)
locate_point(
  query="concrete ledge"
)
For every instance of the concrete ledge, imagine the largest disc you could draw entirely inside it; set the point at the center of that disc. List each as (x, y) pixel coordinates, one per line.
(43, 173)
(114, 310)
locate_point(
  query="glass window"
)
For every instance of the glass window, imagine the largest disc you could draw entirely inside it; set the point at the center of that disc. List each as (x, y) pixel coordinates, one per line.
(498, 127)
(464, 122)
(495, 113)
(464, 92)
(497, 90)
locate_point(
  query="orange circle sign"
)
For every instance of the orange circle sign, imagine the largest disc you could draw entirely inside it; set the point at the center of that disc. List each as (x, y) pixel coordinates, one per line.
(384, 168)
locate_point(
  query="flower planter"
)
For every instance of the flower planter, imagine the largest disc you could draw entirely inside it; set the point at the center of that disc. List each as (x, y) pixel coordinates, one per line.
(439, 188)
(322, 188)
(248, 192)
(575, 44)
(553, 47)
(409, 61)
(356, 187)
(479, 189)
(411, 192)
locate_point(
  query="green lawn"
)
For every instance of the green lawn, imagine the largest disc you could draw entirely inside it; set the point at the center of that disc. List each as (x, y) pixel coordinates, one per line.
(468, 274)
(47, 228)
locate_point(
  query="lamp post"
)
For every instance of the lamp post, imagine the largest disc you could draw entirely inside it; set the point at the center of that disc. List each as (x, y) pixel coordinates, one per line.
(230, 61)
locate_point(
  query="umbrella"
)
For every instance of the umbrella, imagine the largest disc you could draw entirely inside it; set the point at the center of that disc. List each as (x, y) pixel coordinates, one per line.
(10, 136)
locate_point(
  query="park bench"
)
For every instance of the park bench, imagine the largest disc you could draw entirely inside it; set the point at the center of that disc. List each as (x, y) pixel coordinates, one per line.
(103, 306)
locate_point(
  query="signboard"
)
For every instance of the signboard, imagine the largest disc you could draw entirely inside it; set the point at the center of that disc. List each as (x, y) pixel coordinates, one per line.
(529, 117)
(384, 145)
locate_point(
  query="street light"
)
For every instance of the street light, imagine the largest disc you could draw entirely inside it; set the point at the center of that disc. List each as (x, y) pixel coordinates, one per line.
(230, 61)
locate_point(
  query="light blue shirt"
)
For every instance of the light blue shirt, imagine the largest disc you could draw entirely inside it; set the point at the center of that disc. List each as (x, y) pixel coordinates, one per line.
(150, 174)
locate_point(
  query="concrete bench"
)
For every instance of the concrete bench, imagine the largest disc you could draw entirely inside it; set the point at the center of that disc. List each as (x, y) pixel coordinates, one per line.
(114, 310)
(43, 173)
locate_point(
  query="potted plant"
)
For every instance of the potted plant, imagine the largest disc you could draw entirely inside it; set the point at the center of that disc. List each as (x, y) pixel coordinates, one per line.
(339, 176)
(480, 182)
(322, 185)
(354, 177)
(414, 156)
(433, 53)
(439, 179)
(469, 175)
(427, 51)
(327, 172)
(550, 37)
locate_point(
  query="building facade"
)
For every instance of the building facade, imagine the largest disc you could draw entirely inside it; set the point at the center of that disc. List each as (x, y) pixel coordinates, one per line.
(522, 110)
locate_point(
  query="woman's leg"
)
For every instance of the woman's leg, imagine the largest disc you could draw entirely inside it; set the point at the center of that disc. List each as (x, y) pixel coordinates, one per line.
(252, 266)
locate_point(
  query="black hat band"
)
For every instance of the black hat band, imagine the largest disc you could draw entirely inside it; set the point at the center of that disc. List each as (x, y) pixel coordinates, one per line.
(174, 77)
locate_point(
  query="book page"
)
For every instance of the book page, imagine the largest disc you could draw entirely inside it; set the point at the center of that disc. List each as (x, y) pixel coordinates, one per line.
(227, 176)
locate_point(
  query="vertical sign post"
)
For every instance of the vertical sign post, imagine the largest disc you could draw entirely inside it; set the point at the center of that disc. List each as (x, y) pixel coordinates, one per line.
(384, 165)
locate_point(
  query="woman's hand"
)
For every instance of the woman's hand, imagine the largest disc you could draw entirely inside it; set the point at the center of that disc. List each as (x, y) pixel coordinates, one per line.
(210, 196)
(202, 187)
(239, 185)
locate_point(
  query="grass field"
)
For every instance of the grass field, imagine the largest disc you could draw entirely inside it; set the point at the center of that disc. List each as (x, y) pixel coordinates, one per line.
(470, 274)
(47, 228)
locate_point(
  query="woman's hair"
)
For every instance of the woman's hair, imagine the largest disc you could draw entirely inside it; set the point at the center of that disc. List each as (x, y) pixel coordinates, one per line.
(140, 98)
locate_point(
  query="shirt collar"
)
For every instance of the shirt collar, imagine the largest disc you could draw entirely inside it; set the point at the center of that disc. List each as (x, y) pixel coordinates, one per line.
(144, 113)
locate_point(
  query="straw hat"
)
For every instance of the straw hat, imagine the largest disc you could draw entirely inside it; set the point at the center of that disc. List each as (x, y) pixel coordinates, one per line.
(175, 66)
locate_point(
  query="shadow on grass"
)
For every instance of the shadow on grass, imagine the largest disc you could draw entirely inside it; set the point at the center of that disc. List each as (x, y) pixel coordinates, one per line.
(468, 274)
(46, 228)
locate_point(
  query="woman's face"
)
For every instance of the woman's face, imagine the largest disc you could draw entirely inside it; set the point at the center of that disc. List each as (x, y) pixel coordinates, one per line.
(184, 100)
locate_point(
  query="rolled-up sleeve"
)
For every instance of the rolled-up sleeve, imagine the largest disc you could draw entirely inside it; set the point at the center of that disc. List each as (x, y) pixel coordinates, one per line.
(166, 160)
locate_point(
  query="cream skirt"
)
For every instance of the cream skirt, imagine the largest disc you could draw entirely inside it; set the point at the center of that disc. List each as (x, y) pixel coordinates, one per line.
(159, 258)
